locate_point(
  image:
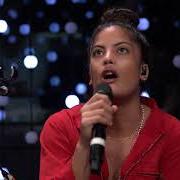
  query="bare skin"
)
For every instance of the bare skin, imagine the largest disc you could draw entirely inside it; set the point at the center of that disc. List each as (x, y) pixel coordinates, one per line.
(114, 52)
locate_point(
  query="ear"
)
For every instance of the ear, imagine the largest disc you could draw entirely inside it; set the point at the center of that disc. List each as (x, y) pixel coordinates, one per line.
(144, 72)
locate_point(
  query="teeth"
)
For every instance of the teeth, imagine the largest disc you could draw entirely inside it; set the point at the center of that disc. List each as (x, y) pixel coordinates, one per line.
(109, 75)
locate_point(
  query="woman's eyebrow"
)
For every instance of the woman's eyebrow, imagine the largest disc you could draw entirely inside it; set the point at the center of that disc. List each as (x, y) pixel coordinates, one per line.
(123, 42)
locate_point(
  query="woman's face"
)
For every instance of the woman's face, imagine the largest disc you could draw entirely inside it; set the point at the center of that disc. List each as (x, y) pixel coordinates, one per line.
(115, 59)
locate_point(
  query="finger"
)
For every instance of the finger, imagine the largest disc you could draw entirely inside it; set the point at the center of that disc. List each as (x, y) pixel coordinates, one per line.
(91, 120)
(98, 96)
(115, 108)
(101, 112)
(96, 105)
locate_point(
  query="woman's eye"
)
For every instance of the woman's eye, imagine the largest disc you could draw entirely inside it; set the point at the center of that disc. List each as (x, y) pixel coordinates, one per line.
(122, 50)
(97, 52)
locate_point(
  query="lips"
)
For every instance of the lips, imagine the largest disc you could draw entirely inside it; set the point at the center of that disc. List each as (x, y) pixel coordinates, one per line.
(109, 75)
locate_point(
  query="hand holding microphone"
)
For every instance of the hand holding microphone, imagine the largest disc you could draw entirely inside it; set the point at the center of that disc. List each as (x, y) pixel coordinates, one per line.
(96, 115)
(98, 111)
(97, 143)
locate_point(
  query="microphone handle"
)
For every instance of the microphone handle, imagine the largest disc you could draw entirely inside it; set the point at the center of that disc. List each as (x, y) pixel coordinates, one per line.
(97, 146)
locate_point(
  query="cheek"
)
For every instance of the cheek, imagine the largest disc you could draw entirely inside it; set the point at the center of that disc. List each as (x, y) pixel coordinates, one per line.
(130, 71)
(93, 71)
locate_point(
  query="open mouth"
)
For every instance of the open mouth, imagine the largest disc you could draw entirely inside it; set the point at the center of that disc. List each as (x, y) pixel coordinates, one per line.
(109, 75)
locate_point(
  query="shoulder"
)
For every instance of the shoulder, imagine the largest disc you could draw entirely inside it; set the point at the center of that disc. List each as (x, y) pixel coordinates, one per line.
(169, 123)
(160, 120)
(64, 123)
(169, 127)
(64, 117)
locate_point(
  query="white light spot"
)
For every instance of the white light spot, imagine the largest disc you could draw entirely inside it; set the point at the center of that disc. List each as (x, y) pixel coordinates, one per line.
(31, 137)
(176, 61)
(3, 26)
(30, 61)
(145, 94)
(72, 100)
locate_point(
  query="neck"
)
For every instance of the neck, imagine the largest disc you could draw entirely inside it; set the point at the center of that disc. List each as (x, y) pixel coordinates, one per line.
(127, 119)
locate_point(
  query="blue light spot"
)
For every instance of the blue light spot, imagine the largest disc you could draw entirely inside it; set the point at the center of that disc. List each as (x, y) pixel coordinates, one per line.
(52, 56)
(89, 14)
(2, 115)
(25, 29)
(143, 24)
(79, 1)
(55, 81)
(101, 1)
(28, 51)
(13, 13)
(54, 27)
(39, 14)
(177, 23)
(12, 39)
(71, 27)
(81, 88)
(51, 2)
(1, 2)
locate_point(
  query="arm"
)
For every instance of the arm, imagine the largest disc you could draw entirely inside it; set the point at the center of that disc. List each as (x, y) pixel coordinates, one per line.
(56, 152)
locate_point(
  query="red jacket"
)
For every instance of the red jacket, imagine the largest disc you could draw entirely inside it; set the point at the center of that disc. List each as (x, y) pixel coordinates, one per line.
(155, 155)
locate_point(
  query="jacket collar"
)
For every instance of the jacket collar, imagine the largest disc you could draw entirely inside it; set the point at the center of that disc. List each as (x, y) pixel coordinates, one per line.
(149, 136)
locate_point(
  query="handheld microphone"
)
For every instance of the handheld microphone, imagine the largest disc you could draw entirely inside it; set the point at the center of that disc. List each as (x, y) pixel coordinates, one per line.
(97, 142)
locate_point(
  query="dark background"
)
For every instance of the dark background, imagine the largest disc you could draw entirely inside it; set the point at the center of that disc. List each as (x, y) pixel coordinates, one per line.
(29, 106)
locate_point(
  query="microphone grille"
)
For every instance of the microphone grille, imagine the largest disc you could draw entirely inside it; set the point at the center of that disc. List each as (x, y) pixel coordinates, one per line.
(104, 88)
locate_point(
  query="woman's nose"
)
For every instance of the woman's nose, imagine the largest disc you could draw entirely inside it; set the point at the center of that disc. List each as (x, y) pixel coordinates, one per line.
(109, 58)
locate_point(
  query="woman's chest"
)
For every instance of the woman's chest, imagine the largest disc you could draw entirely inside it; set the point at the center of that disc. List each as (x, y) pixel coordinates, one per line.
(116, 154)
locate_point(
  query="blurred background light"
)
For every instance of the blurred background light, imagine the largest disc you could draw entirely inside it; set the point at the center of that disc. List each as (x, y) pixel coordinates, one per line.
(64, 39)
(12, 39)
(3, 26)
(51, 2)
(177, 23)
(12, 13)
(30, 61)
(55, 81)
(71, 27)
(143, 24)
(101, 1)
(52, 56)
(1, 2)
(54, 27)
(79, 1)
(31, 137)
(27, 2)
(29, 50)
(81, 88)
(176, 61)
(40, 14)
(24, 29)
(89, 14)
(71, 100)
(145, 94)
(4, 101)
(2, 114)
